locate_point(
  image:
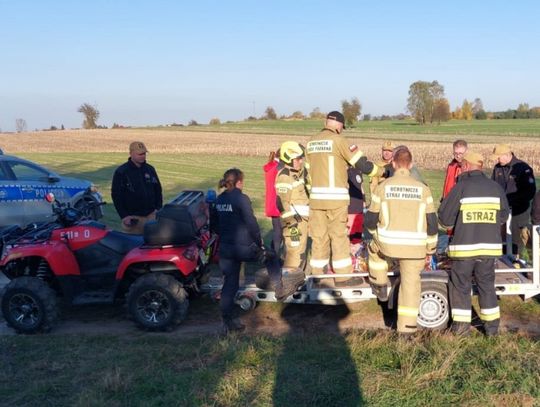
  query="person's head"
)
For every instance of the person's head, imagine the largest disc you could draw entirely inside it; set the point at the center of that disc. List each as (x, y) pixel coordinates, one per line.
(402, 158)
(472, 161)
(336, 121)
(502, 153)
(232, 178)
(460, 148)
(292, 154)
(137, 152)
(387, 151)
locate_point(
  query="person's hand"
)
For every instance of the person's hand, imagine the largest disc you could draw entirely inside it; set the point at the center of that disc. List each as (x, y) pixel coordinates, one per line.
(271, 156)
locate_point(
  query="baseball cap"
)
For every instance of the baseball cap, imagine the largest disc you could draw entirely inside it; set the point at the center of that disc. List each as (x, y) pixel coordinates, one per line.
(499, 150)
(337, 116)
(474, 158)
(388, 146)
(137, 147)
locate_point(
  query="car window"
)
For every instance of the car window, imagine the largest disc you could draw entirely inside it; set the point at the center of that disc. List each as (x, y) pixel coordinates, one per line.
(25, 172)
(3, 174)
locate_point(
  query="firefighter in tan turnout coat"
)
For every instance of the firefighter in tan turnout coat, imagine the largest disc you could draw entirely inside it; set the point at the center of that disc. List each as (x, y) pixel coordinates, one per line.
(329, 155)
(403, 222)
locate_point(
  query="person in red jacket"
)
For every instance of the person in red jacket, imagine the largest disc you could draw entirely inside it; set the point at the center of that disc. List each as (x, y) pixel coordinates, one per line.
(271, 169)
(454, 168)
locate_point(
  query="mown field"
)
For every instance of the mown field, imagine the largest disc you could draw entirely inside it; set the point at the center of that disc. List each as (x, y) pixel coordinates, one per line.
(304, 367)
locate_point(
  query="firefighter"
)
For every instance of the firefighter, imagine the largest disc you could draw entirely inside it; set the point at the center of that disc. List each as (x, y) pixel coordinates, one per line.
(403, 223)
(328, 156)
(475, 208)
(385, 162)
(293, 204)
(516, 178)
(240, 241)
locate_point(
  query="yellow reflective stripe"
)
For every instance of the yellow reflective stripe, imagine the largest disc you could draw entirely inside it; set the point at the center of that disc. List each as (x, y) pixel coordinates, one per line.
(330, 197)
(354, 159)
(374, 171)
(297, 183)
(331, 172)
(283, 185)
(432, 239)
(318, 263)
(421, 217)
(479, 252)
(483, 199)
(491, 317)
(489, 311)
(407, 311)
(462, 312)
(479, 206)
(403, 234)
(341, 263)
(429, 200)
(375, 198)
(461, 318)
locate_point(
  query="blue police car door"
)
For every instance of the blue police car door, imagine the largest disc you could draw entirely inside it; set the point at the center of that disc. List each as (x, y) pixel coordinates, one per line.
(11, 208)
(34, 183)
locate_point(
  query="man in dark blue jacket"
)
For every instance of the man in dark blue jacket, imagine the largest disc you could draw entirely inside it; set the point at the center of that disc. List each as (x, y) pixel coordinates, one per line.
(136, 190)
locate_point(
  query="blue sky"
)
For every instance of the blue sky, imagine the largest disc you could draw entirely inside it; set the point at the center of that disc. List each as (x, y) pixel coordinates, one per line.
(158, 62)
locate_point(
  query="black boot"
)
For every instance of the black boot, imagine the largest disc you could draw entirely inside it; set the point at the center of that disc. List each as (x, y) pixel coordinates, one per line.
(461, 328)
(232, 325)
(290, 283)
(380, 291)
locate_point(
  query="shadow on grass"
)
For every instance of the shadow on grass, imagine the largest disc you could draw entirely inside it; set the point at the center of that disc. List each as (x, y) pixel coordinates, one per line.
(315, 367)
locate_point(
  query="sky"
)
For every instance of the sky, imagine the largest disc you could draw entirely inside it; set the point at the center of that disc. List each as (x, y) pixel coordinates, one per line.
(158, 62)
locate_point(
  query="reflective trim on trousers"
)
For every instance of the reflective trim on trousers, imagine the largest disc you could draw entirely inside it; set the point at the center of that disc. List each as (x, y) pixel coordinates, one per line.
(339, 264)
(490, 314)
(407, 311)
(318, 263)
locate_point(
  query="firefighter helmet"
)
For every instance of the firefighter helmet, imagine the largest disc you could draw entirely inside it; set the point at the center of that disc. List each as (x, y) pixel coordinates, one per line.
(290, 150)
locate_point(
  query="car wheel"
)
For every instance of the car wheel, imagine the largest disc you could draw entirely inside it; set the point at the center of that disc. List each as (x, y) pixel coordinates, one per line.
(29, 305)
(434, 309)
(157, 302)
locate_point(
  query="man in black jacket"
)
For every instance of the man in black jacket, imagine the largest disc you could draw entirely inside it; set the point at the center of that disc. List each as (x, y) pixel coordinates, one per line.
(136, 190)
(516, 178)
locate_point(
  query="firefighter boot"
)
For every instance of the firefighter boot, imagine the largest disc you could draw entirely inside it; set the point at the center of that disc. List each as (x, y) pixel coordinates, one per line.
(460, 328)
(380, 291)
(291, 281)
(232, 325)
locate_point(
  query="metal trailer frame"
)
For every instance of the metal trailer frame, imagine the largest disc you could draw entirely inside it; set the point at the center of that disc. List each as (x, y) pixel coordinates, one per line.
(434, 309)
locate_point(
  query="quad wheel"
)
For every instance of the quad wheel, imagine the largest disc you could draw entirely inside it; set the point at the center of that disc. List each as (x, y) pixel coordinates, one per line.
(157, 302)
(434, 309)
(29, 305)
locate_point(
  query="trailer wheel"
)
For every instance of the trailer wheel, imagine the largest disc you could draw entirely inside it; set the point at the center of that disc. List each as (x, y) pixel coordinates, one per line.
(157, 302)
(434, 309)
(246, 302)
(29, 305)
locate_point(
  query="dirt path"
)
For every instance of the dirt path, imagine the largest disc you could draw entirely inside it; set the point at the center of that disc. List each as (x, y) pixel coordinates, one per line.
(271, 319)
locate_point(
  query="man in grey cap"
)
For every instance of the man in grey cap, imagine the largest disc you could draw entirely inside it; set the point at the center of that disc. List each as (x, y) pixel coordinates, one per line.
(516, 178)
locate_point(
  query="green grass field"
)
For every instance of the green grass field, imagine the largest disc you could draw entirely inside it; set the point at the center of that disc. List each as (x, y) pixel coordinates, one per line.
(302, 368)
(517, 127)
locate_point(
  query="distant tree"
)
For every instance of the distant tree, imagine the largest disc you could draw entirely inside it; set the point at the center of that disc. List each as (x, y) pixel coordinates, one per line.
(523, 111)
(215, 122)
(20, 125)
(441, 110)
(270, 113)
(457, 114)
(91, 115)
(317, 114)
(297, 115)
(466, 110)
(367, 117)
(52, 128)
(351, 110)
(193, 122)
(481, 115)
(251, 119)
(477, 106)
(422, 97)
(62, 127)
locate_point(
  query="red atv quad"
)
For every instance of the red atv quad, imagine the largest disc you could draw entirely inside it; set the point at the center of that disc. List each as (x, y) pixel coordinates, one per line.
(83, 262)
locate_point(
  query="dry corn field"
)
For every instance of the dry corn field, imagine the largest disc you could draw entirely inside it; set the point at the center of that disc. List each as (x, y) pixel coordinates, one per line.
(427, 154)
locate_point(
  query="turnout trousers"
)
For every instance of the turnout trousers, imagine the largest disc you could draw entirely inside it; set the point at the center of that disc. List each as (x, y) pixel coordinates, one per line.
(328, 232)
(295, 245)
(409, 288)
(460, 292)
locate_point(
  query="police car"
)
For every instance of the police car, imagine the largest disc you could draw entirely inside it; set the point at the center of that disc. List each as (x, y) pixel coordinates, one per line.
(23, 186)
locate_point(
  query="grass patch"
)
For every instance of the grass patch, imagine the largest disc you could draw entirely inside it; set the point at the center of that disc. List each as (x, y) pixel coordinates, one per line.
(359, 368)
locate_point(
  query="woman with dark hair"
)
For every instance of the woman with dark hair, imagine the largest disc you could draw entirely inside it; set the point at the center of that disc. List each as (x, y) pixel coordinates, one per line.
(240, 240)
